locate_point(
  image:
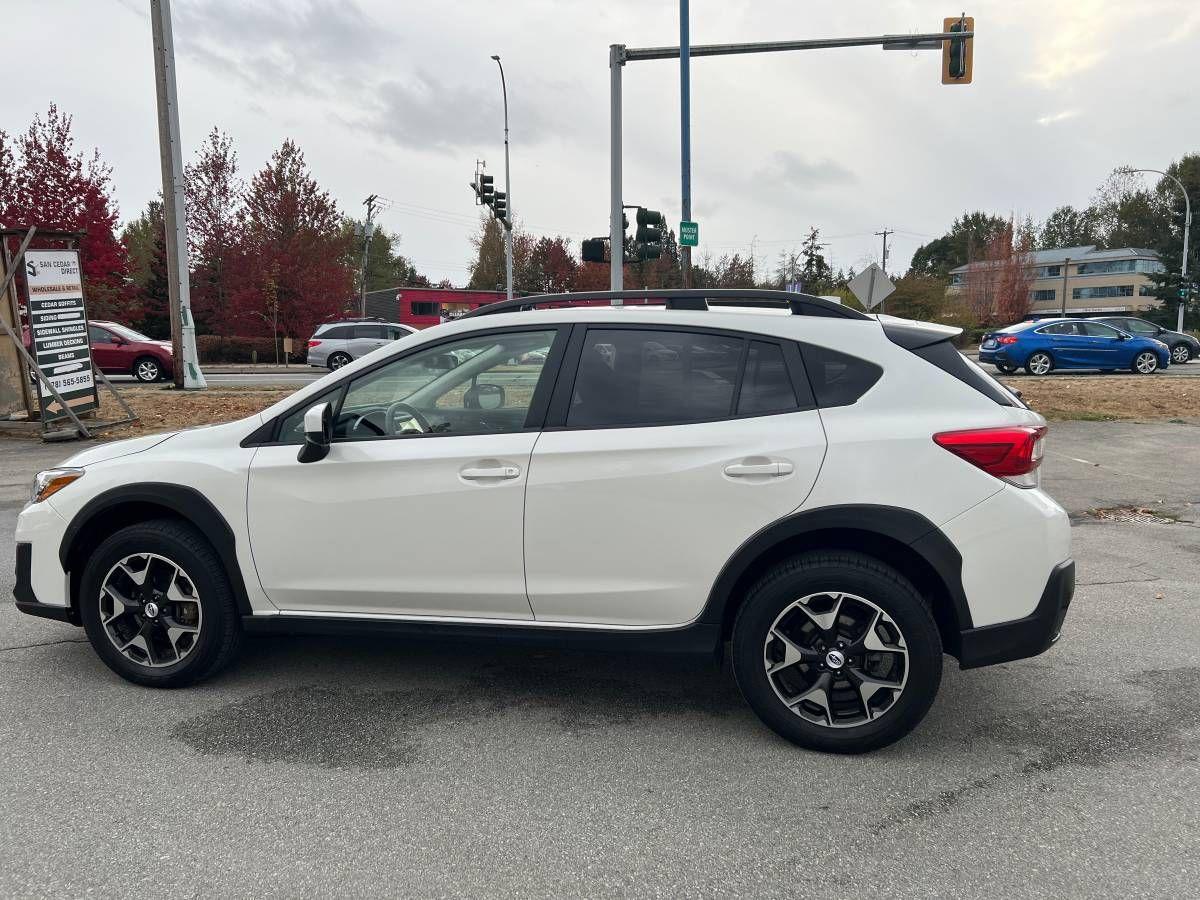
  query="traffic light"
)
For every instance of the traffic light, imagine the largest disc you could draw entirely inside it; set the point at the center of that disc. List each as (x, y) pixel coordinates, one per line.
(500, 205)
(593, 250)
(650, 233)
(958, 53)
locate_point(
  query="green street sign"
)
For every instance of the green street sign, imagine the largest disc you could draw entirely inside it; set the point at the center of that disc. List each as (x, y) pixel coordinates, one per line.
(689, 234)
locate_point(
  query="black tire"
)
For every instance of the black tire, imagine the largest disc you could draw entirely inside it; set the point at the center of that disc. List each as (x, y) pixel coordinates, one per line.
(1033, 365)
(837, 572)
(146, 369)
(1005, 368)
(337, 360)
(220, 631)
(1181, 353)
(1145, 363)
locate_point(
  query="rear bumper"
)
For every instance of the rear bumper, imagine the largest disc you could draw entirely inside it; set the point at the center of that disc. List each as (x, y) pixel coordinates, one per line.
(1022, 638)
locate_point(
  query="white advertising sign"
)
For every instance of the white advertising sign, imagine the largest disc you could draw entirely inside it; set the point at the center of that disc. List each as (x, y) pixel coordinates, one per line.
(58, 328)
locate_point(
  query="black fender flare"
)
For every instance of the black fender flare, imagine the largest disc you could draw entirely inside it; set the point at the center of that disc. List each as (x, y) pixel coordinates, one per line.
(185, 502)
(898, 525)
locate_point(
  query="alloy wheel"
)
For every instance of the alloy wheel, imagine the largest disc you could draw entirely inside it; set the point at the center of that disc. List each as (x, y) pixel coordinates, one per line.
(1039, 363)
(1146, 362)
(836, 659)
(147, 371)
(1180, 354)
(150, 610)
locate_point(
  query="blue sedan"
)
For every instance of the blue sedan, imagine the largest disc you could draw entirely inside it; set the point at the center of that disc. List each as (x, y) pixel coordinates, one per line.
(1046, 345)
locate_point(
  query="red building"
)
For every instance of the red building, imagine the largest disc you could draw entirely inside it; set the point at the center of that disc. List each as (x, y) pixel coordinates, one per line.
(421, 307)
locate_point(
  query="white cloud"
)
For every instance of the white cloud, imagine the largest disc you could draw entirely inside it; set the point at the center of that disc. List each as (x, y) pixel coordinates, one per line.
(1055, 118)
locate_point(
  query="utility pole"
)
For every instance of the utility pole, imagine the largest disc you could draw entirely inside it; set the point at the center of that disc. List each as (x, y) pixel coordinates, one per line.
(367, 231)
(883, 265)
(186, 366)
(685, 131)
(619, 55)
(507, 220)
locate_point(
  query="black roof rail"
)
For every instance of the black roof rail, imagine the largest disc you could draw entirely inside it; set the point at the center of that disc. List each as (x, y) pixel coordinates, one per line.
(688, 299)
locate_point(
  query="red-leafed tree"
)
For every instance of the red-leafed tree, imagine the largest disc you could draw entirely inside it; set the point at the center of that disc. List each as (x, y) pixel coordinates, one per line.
(49, 184)
(215, 231)
(295, 250)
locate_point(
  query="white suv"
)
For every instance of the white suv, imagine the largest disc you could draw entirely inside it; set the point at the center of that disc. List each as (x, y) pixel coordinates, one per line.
(841, 498)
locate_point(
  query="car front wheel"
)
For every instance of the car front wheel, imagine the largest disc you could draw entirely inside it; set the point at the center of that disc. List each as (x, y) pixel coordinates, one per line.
(157, 605)
(1180, 354)
(836, 651)
(147, 369)
(1145, 363)
(1039, 364)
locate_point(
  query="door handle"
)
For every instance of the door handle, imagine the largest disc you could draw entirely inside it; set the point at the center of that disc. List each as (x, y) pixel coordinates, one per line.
(490, 472)
(742, 470)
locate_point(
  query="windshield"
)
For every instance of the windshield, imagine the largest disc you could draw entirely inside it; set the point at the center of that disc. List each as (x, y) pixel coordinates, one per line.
(128, 333)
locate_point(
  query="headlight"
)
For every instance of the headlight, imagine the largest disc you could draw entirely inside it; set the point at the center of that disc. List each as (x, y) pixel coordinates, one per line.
(52, 481)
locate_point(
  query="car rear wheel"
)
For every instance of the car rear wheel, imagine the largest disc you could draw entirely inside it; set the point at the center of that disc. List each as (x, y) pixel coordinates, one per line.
(1039, 364)
(157, 605)
(147, 369)
(1145, 363)
(837, 652)
(1180, 354)
(1005, 368)
(337, 360)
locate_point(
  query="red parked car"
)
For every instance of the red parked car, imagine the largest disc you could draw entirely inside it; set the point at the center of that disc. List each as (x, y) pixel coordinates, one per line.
(119, 350)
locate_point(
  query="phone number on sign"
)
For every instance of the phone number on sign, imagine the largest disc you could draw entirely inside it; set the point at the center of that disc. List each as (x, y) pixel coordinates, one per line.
(66, 382)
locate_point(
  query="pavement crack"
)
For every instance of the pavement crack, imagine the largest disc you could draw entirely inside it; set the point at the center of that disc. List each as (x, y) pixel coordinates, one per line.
(44, 644)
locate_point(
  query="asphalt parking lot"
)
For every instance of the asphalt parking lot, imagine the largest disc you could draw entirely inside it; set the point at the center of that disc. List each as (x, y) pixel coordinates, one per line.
(339, 767)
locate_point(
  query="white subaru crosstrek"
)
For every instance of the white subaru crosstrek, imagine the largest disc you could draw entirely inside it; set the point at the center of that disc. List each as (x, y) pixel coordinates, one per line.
(840, 498)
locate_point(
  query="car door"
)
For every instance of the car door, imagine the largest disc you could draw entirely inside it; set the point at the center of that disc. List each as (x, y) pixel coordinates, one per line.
(367, 338)
(1106, 345)
(107, 351)
(666, 448)
(417, 508)
(1068, 344)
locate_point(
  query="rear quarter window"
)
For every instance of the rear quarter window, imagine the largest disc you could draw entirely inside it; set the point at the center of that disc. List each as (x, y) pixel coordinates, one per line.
(946, 357)
(838, 379)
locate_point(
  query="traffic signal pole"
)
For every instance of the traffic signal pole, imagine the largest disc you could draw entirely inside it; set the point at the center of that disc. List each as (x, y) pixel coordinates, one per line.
(506, 223)
(685, 131)
(1187, 227)
(619, 55)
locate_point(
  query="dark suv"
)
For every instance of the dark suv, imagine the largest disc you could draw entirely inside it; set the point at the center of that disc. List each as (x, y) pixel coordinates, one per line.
(1184, 347)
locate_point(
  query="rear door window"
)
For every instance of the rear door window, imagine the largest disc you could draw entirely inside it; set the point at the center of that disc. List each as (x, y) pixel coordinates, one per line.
(336, 333)
(766, 383)
(632, 377)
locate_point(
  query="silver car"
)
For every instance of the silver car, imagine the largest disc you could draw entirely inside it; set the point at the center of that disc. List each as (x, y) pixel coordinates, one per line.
(336, 343)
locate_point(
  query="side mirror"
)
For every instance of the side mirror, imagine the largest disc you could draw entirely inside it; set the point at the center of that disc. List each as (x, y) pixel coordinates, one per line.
(483, 396)
(116, 340)
(318, 433)
(1122, 337)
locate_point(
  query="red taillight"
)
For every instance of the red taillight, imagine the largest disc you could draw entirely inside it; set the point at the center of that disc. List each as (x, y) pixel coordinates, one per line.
(313, 343)
(1003, 452)
(1007, 339)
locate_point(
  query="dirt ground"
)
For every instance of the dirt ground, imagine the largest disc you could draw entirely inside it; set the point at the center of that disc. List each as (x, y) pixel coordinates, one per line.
(1116, 397)
(1055, 397)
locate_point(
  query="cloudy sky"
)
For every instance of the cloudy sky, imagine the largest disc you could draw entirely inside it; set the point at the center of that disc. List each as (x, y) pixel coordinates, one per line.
(400, 98)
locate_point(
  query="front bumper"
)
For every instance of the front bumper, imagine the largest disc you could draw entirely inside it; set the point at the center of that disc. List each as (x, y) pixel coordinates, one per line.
(27, 601)
(1022, 638)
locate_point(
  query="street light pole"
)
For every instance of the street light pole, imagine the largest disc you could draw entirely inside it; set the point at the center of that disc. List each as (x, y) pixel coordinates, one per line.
(506, 222)
(1187, 227)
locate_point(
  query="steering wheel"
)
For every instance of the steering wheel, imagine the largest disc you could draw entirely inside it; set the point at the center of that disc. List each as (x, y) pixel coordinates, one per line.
(400, 412)
(361, 421)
